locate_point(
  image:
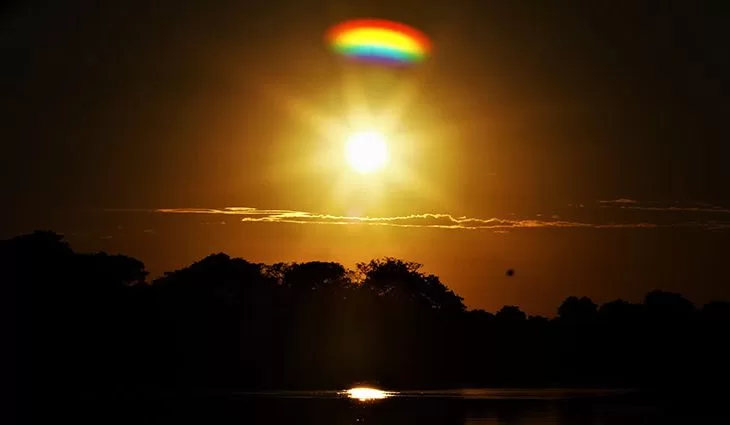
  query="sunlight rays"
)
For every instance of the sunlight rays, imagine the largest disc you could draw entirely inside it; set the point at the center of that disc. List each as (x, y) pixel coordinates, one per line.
(371, 100)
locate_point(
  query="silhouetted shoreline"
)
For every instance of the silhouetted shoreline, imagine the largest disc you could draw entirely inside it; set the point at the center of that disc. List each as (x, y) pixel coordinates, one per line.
(88, 323)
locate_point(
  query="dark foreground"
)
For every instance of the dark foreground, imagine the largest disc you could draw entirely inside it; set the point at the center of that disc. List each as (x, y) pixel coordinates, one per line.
(303, 408)
(93, 321)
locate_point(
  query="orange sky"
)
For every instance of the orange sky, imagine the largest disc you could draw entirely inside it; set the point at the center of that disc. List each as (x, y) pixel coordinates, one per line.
(578, 145)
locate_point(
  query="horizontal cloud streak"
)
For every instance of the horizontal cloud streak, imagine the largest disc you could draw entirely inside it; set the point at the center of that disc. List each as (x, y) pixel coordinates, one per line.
(630, 204)
(682, 209)
(227, 210)
(426, 220)
(619, 201)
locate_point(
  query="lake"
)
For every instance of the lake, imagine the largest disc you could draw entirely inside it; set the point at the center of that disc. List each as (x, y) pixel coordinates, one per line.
(473, 406)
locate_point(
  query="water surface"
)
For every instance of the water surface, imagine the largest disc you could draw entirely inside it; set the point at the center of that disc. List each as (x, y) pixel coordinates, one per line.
(462, 407)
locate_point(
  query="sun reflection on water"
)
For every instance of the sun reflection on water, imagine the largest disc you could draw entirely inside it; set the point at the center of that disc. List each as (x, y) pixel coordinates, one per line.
(367, 394)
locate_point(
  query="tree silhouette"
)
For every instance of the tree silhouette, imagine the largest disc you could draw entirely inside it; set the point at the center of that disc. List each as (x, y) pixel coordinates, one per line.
(316, 275)
(577, 310)
(668, 305)
(403, 281)
(93, 321)
(511, 314)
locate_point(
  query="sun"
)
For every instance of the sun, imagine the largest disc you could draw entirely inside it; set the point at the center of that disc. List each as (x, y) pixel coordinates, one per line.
(366, 151)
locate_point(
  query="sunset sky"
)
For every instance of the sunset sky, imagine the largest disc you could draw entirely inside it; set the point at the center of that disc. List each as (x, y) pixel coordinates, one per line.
(582, 144)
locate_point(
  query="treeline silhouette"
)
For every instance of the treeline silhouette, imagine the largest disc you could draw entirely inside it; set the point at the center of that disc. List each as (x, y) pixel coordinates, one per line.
(87, 322)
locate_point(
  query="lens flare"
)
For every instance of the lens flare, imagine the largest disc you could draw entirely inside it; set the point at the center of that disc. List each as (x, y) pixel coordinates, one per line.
(379, 40)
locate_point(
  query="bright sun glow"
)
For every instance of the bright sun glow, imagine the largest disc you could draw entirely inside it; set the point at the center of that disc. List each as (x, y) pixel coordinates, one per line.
(366, 394)
(366, 151)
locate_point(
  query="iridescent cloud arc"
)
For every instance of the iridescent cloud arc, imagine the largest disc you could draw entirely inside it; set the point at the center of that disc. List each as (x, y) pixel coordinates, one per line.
(379, 40)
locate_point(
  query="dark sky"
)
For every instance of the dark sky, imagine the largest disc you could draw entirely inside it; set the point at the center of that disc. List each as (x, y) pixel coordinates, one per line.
(581, 143)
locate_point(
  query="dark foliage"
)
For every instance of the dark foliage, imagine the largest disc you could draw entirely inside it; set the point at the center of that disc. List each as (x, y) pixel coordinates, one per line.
(87, 322)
